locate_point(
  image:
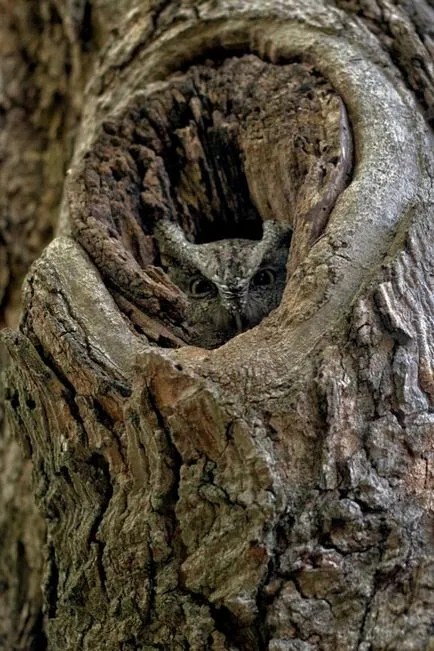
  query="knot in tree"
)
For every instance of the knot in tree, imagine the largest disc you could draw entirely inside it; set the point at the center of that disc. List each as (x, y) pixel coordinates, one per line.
(207, 175)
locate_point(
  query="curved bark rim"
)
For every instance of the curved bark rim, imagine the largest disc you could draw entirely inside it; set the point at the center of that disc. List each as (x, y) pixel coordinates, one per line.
(389, 181)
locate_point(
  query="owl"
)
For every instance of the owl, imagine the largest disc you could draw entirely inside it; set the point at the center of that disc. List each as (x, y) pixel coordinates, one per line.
(231, 284)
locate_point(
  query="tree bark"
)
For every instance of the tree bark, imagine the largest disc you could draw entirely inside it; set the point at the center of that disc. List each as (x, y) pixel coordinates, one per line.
(276, 492)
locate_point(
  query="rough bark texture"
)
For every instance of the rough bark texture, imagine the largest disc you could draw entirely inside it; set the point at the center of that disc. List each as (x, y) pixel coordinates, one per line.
(274, 493)
(40, 99)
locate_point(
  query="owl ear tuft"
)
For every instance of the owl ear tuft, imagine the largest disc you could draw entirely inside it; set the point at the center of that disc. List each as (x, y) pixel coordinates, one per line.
(275, 234)
(171, 238)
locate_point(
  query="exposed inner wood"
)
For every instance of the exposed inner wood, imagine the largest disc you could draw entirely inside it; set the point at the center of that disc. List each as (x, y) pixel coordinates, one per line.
(219, 149)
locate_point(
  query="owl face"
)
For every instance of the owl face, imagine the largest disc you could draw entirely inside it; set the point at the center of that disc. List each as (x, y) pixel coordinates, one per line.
(231, 284)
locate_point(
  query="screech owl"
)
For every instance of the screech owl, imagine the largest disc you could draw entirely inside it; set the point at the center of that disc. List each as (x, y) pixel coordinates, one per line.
(231, 284)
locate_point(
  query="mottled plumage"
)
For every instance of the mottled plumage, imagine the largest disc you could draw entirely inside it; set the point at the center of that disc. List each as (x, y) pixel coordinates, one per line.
(231, 284)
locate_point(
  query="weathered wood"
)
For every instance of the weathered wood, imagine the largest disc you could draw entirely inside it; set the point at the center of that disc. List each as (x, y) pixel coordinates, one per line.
(218, 149)
(274, 493)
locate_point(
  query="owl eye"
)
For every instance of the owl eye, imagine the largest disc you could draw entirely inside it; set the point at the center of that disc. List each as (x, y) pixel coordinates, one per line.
(202, 288)
(263, 278)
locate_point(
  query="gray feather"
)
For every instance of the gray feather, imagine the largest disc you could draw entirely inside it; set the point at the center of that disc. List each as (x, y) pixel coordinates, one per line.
(239, 298)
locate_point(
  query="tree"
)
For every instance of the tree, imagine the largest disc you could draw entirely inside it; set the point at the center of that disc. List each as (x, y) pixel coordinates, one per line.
(274, 493)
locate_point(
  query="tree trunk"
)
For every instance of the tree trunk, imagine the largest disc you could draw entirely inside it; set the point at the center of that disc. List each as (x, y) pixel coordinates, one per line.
(274, 492)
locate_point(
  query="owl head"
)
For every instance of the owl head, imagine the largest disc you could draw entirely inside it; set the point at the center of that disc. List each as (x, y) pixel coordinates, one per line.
(230, 284)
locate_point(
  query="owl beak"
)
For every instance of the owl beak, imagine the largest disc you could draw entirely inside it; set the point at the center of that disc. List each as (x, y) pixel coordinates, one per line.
(236, 310)
(238, 322)
(234, 302)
